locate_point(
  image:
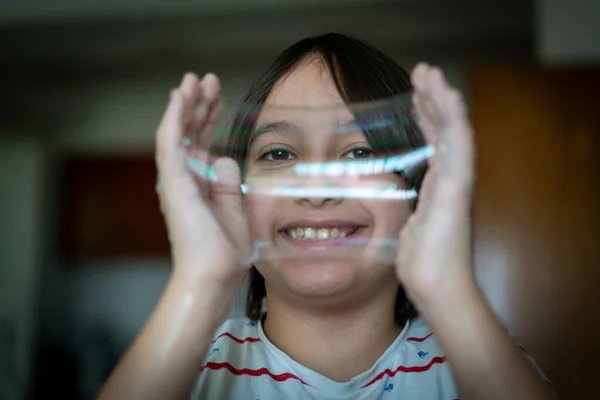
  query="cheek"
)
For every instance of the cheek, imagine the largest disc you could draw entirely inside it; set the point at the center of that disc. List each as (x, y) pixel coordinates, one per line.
(260, 214)
(390, 216)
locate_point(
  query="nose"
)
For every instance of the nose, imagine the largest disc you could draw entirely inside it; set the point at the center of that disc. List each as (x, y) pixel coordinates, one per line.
(318, 202)
(317, 189)
(320, 192)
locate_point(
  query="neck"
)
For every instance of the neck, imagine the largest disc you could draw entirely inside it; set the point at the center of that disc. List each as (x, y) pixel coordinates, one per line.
(338, 344)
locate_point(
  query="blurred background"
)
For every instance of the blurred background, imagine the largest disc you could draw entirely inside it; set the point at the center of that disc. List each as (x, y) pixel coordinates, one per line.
(83, 248)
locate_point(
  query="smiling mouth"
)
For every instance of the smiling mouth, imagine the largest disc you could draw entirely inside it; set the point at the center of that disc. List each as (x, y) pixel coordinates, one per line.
(311, 234)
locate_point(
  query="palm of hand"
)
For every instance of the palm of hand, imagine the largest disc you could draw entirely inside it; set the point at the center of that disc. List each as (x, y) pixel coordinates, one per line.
(201, 215)
(434, 253)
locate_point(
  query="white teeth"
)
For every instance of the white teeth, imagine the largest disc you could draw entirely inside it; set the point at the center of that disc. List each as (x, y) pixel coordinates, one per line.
(317, 234)
(323, 234)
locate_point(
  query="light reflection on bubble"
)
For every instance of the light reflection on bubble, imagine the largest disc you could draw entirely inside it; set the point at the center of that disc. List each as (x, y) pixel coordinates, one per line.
(296, 188)
(365, 167)
(352, 248)
(390, 193)
(202, 169)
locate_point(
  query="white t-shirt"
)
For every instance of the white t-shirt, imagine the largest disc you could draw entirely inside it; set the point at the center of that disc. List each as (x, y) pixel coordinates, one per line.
(243, 364)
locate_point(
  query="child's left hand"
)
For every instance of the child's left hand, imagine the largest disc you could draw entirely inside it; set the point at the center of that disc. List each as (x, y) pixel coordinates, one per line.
(434, 258)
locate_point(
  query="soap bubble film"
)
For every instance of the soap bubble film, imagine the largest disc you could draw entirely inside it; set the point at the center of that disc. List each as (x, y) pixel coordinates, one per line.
(334, 181)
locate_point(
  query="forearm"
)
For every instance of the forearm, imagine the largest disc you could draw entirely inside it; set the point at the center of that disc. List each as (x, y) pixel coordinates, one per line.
(484, 360)
(166, 356)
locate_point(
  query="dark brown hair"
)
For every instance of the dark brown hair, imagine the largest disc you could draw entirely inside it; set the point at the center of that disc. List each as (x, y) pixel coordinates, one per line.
(361, 73)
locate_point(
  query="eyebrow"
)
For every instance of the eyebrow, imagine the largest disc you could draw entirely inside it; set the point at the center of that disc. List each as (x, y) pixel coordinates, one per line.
(278, 126)
(346, 126)
(289, 126)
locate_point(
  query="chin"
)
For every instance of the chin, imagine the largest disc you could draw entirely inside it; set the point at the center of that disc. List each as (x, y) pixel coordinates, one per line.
(321, 278)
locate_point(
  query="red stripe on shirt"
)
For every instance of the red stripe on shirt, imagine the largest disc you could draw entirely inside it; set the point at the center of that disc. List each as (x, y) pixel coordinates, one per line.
(421, 368)
(416, 339)
(251, 372)
(240, 341)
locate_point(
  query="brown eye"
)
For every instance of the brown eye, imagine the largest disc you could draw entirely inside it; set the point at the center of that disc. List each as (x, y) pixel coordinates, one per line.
(277, 155)
(360, 153)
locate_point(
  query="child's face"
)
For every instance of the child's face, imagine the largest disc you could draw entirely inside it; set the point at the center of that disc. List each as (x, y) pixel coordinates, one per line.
(303, 137)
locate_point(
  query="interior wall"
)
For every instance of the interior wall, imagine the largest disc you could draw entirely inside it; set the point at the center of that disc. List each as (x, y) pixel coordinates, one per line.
(21, 179)
(567, 32)
(538, 137)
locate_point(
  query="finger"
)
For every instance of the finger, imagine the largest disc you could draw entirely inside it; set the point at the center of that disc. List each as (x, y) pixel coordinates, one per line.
(205, 110)
(202, 131)
(418, 77)
(201, 171)
(429, 118)
(437, 90)
(200, 159)
(172, 127)
(452, 109)
(227, 182)
(447, 100)
(212, 87)
(456, 112)
(173, 176)
(170, 130)
(455, 146)
(432, 106)
(199, 114)
(428, 128)
(460, 140)
(207, 133)
(202, 116)
(191, 90)
(428, 112)
(226, 195)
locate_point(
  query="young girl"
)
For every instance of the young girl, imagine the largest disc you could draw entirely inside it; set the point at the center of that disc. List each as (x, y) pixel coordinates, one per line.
(337, 330)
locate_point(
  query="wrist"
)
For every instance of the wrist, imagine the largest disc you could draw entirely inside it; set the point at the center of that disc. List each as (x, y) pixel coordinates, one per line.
(216, 278)
(448, 300)
(206, 302)
(459, 317)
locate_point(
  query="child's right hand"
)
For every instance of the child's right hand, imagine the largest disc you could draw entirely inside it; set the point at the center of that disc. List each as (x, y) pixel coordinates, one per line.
(207, 230)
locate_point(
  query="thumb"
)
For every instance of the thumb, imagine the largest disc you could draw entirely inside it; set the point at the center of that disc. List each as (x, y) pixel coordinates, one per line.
(225, 188)
(226, 194)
